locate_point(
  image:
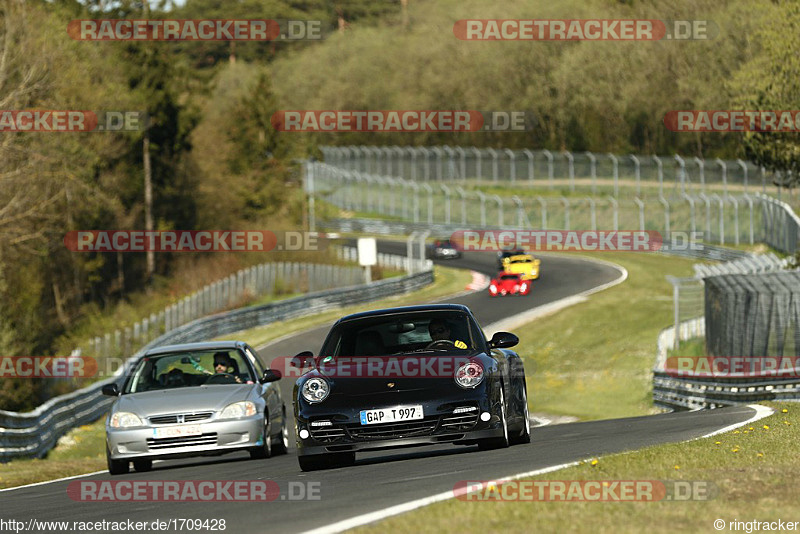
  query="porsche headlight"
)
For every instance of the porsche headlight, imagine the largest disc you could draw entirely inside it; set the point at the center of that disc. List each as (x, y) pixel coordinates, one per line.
(125, 420)
(316, 390)
(237, 410)
(469, 375)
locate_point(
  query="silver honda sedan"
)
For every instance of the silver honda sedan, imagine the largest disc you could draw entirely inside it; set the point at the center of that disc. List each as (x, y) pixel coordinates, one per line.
(193, 400)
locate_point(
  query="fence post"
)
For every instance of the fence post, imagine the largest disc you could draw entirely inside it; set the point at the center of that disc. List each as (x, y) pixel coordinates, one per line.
(512, 162)
(593, 171)
(520, 211)
(463, 196)
(705, 199)
(691, 212)
(724, 169)
(637, 175)
(660, 175)
(615, 207)
(529, 155)
(571, 166)
(639, 203)
(615, 162)
(701, 166)
(593, 212)
(721, 219)
(681, 173)
(543, 205)
(566, 212)
(550, 176)
(743, 165)
(495, 169)
(735, 219)
(666, 216)
(446, 203)
(478, 157)
(429, 189)
(499, 210)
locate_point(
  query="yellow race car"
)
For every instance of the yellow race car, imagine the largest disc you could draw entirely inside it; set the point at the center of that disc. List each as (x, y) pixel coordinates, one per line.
(524, 265)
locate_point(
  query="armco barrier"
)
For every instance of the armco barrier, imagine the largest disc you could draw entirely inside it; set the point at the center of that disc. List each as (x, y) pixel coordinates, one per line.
(32, 434)
(687, 392)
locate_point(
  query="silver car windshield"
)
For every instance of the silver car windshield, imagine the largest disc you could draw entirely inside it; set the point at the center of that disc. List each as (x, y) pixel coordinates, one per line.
(189, 369)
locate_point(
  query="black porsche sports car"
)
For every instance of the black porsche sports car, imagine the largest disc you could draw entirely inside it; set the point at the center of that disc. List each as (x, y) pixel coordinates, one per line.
(408, 376)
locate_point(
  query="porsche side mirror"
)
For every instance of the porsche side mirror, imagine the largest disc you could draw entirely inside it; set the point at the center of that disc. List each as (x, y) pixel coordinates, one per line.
(503, 340)
(301, 360)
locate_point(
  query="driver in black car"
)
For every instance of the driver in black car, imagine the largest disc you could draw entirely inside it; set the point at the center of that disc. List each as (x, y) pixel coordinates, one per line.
(439, 330)
(224, 365)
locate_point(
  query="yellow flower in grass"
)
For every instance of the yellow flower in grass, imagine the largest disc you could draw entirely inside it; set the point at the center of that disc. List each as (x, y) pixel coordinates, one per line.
(735, 449)
(717, 443)
(677, 467)
(735, 431)
(751, 429)
(784, 411)
(787, 423)
(760, 455)
(766, 427)
(594, 462)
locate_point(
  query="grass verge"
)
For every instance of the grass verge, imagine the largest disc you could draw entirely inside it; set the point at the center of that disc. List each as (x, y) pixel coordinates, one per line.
(594, 360)
(82, 450)
(448, 281)
(748, 475)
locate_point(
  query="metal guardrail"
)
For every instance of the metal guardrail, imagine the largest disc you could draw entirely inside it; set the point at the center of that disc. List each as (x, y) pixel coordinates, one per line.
(34, 433)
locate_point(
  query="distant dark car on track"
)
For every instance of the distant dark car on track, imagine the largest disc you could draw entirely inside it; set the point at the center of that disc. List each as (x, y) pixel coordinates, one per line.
(449, 385)
(503, 254)
(509, 284)
(443, 249)
(195, 399)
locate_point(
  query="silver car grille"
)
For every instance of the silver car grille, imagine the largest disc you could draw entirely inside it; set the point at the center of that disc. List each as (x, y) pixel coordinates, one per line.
(180, 418)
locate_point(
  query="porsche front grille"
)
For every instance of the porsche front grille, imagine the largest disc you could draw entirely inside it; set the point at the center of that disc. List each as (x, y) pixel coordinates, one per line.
(406, 429)
(460, 422)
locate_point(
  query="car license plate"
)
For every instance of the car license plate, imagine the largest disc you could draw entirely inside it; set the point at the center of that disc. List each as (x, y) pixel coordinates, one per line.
(177, 431)
(391, 415)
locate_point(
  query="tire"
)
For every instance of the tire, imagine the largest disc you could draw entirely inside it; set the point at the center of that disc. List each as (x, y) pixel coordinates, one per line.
(282, 446)
(501, 442)
(525, 433)
(143, 465)
(117, 467)
(264, 451)
(317, 462)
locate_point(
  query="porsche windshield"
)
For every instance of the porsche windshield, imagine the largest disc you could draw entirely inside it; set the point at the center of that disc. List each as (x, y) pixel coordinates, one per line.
(189, 369)
(401, 334)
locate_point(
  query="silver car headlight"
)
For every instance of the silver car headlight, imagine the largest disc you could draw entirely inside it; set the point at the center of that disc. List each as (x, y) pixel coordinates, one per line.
(125, 420)
(469, 375)
(316, 390)
(237, 410)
